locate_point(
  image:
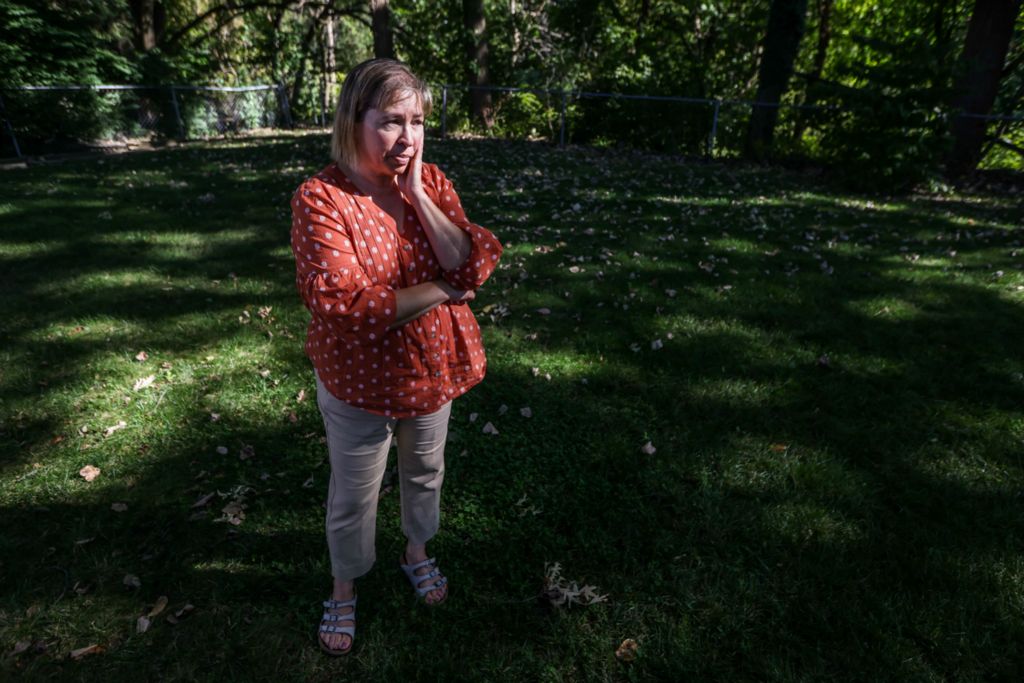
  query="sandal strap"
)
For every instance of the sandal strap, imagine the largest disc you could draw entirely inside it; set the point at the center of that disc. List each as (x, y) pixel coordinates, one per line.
(351, 616)
(336, 604)
(423, 590)
(349, 631)
(407, 568)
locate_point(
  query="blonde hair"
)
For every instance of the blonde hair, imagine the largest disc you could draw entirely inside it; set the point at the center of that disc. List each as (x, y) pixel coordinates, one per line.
(373, 84)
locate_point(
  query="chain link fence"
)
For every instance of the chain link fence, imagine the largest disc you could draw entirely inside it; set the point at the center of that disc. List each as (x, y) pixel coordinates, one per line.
(56, 119)
(707, 127)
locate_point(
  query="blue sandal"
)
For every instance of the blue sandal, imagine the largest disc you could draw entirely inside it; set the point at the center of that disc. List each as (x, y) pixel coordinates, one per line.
(416, 579)
(349, 631)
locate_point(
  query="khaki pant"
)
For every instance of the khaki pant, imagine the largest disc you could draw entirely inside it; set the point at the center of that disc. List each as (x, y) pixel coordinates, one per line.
(357, 443)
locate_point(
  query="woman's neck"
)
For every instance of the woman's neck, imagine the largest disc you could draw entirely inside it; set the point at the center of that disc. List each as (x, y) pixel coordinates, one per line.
(370, 184)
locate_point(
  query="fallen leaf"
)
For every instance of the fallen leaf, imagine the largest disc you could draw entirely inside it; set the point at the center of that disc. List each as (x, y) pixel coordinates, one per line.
(89, 472)
(648, 448)
(503, 409)
(21, 646)
(142, 356)
(490, 429)
(779, 447)
(142, 383)
(214, 417)
(526, 412)
(131, 581)
(118, 507)
(203, 500)
(301, 396)
(159, 606)
(246, 452)
(656, 345)
(544, 311)
(121, 424)
(142, 625)
(222, 450)
(626, 652)
(473, 417)
(87, 650)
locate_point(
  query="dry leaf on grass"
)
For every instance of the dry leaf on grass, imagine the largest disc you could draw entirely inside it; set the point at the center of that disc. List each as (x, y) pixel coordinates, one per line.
(648, 448)
(21, 646)
(490, 429)
(131, 581)
(562, 592)
(121, 424)
(159, 606)
(87, 650)
(526, 412)
(142, 356)
(626, 652)
(89, 472)
(180, 614)
(118, 507)
(779, 447)
(142, 624)
(142, 383)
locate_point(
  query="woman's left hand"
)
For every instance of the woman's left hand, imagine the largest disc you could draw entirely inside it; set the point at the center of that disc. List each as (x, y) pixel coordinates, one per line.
(411, 182)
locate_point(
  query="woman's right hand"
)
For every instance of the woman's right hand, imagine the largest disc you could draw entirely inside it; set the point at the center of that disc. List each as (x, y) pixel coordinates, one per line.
(457, 296)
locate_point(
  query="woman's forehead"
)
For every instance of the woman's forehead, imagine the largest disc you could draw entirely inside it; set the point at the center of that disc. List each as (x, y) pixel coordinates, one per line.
(402, 102)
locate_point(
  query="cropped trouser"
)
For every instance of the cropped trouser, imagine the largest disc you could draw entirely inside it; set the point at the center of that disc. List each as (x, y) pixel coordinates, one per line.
(357, 444)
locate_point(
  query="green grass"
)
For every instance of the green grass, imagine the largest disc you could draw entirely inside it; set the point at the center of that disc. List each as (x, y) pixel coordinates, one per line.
(836, 407)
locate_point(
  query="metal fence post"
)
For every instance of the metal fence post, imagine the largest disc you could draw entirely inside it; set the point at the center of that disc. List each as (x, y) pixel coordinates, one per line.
(561, 125)
(444, 111)
(9, 127)
(177, 113)
(714, 129)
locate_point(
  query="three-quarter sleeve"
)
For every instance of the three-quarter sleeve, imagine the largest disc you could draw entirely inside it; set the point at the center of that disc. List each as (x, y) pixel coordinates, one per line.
(329, 276)
(485, 248)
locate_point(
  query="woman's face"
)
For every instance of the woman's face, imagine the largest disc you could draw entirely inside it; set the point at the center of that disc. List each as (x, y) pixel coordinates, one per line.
(390, 137)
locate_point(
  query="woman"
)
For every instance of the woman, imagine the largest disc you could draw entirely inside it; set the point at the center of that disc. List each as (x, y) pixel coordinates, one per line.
(386, 261)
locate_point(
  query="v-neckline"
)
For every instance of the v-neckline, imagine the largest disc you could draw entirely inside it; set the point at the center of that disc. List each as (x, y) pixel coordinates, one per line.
(399, 222)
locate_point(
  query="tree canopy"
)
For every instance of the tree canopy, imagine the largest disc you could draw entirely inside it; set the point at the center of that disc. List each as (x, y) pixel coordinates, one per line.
(897, 75)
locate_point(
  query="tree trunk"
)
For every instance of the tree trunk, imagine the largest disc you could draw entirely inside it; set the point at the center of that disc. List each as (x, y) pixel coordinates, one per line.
(330, 66)
(481, 105)
(980, 70)
(383, 41)
(786, 21)
(148, 21)
(824, 12)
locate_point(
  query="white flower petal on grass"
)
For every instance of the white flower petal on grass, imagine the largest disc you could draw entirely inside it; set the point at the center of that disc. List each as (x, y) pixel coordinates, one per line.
(648, 448)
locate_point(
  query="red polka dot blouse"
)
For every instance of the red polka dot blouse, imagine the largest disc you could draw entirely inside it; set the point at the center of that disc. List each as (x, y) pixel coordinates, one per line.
(350, 257)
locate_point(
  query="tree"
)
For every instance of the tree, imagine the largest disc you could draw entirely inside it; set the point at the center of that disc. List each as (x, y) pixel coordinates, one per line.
(786, 21)
(481, 106)
(383, 41)
(981, 69)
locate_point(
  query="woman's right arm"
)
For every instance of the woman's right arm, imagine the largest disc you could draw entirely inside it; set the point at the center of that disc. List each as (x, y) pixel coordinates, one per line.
(412, 302)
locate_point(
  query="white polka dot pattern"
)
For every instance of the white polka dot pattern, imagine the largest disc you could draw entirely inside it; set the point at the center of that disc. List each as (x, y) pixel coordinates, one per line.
(350, 258)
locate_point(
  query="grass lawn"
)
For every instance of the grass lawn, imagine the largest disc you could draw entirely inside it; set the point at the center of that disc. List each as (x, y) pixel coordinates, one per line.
(779, 427)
